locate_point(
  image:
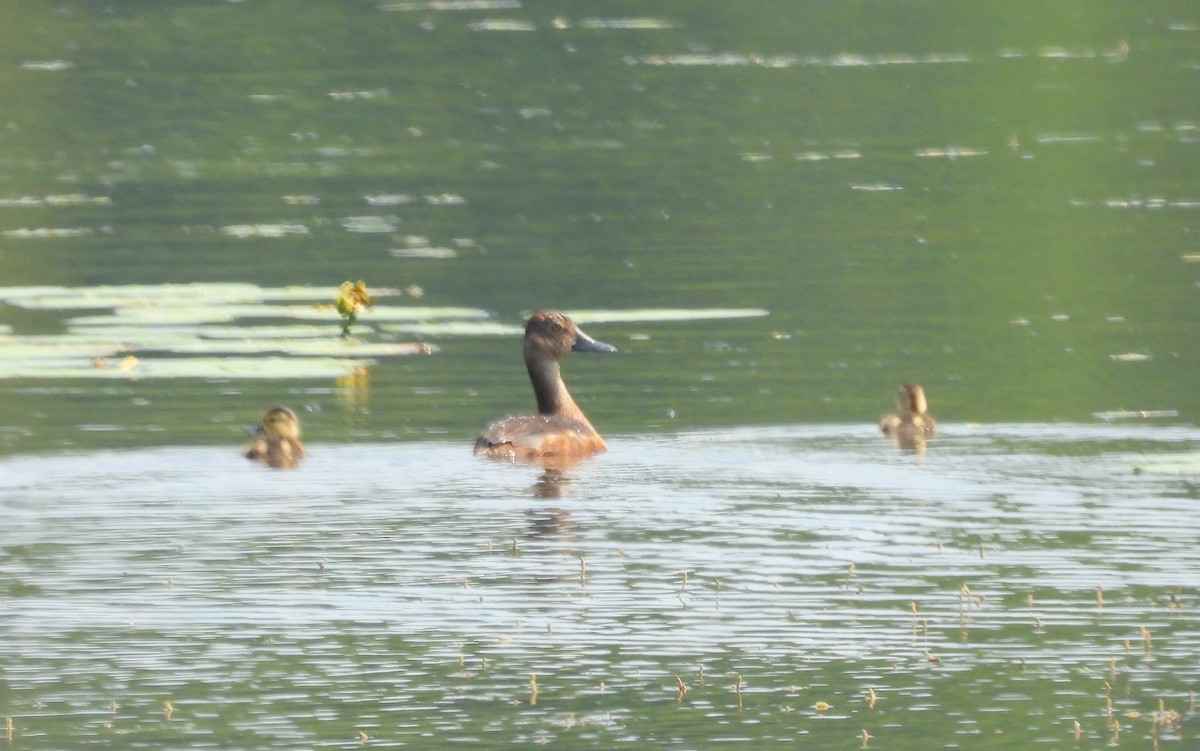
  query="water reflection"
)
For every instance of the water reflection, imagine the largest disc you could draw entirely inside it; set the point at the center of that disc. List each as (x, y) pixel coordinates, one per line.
(555, 482)
(910, 442)
(553, 523)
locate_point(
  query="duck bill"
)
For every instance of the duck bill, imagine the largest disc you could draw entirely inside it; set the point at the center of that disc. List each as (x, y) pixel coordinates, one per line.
(585, 343)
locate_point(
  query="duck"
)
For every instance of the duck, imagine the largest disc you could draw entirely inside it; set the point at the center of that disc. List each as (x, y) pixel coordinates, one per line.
(560, 431)
(276, 440)
(912, 418)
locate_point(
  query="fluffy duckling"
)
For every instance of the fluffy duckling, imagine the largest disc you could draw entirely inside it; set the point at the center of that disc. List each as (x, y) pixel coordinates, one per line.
(276, 440)
(912, 418)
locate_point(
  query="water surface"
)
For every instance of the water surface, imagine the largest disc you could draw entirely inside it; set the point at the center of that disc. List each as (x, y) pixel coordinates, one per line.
(996, 200)
(992, 591)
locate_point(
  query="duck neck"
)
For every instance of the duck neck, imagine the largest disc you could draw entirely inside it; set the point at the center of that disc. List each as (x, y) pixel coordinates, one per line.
(552, 395)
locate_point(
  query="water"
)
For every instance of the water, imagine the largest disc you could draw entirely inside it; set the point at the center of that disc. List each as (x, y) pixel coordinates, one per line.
(997, 201)
(991, 588)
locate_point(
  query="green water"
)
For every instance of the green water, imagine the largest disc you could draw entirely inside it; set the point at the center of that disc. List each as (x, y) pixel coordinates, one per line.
(996, 200)
(993, 202)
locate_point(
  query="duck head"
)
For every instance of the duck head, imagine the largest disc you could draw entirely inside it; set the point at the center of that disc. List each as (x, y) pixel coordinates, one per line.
(550, 333)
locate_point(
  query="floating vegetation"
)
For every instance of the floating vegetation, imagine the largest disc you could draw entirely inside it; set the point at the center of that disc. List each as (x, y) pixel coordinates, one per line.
(42, 232)
(185, 367)
(1119, 52)
(950, 152)
(191, 330)
(388, 199)
(454, 5)
(304, 348)
(727, 59)
(160, 295)
(649, 315)
(640, 24)
(47, 65)
(1138, 203)
(370, 224)
(1130, 357)
(200, 314)
(345, 96)
(455, 328)
(1135, 414)
(445, 199)
(462, 327)
(844, 60)
(243, 231)
(1068, 138)
(820, 156)
(501, 24)
(424, 251)
(69, 199)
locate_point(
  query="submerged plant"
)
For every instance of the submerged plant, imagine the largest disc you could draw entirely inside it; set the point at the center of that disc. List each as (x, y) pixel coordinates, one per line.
(351, 298)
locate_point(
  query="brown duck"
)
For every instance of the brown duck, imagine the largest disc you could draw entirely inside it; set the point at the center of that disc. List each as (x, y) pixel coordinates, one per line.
(559, 431)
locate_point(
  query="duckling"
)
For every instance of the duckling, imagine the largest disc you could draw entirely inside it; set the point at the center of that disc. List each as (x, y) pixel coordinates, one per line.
(912, 419)
(276, 440)
(559, 431)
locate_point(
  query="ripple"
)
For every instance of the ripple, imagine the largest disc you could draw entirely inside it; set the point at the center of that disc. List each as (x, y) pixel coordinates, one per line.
(774, 572)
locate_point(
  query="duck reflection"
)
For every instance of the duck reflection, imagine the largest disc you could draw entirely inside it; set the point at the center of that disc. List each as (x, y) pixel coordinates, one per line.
(551, 523)
(553, 483)
(555, 533)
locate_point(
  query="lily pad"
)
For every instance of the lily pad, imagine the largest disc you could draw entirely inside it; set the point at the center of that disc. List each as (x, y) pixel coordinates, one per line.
(396, 313)
(650, 315)
(127, 329)
(13, 351)
(209, 314)
(199, 322)
(163, 295)
(332, 348)
(455, 328)
(297, 331)
(279, 229)
(1170, 464)
(1135, 414)
(188, 367)
(494, 328)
